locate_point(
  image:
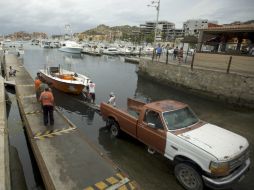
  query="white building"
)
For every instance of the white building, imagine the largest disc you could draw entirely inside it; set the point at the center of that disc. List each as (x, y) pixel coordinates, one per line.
(191, 27)
(164, 28)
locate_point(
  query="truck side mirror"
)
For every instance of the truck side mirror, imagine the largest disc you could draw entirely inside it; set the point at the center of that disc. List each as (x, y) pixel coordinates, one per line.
(152, 125)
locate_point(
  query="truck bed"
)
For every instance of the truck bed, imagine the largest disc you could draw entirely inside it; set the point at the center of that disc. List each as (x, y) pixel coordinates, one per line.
(132, 113)
(127, 119)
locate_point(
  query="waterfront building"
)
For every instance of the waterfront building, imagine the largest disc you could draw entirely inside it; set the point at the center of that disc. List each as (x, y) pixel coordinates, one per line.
(175, 33)
(231, 39)
(164, 29)
(191, 27)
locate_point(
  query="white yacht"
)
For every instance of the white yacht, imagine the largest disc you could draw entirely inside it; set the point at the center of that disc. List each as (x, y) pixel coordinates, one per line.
(111, 51)
(46, 44)
(70, 47)
(125, 51)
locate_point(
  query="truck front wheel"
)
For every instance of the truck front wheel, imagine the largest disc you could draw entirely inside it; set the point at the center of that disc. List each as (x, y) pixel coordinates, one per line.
(115, 129)
(188, 176)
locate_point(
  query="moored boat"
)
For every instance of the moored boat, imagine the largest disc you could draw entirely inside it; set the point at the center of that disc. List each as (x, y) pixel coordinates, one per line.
(64, 80)
(111, 51)
(71, 47)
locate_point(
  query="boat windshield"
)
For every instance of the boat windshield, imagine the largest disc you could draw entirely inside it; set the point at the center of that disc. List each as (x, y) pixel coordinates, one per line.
(179, 119)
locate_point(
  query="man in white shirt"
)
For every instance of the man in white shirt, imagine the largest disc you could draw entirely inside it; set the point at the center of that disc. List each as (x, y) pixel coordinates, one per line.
(112, 99)
(92, 91)
(12, 72)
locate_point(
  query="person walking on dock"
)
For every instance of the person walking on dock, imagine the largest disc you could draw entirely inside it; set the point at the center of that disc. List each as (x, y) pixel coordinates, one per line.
(158, 52)
(47, 100)
(37, 84)
(180, 55)
(92, 91)
(175, 52)
(112, 99)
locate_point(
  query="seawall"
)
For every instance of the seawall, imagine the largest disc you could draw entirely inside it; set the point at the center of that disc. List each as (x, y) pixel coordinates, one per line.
(5, 183)
(232, 88)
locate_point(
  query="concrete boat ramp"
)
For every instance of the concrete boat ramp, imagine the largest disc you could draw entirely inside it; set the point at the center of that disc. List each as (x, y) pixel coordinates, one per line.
(66, 158)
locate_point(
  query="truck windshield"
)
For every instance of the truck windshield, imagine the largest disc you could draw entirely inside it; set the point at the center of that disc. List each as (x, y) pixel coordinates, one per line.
(179, 119)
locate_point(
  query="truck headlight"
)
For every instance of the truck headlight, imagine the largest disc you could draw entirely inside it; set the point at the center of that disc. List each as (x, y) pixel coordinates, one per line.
(219, 168)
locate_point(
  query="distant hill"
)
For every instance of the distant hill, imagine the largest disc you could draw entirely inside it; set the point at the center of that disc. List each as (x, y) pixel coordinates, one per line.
(239, 22)
(249, 22)
(106, 30)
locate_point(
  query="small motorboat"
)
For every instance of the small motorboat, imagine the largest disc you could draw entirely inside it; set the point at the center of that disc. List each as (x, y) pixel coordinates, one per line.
(64, 80)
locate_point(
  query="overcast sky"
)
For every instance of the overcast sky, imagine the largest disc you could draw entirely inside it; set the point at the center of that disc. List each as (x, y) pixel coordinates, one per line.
(50, 16)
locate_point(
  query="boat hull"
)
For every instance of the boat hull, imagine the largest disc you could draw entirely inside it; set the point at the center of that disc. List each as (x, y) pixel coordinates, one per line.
(70, 50)
(63, 86)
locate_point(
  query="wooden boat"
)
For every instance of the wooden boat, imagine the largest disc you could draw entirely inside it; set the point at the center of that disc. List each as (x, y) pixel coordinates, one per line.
(64, 80)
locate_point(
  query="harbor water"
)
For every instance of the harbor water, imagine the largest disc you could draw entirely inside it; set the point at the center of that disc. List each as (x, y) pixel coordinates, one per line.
(112, 74)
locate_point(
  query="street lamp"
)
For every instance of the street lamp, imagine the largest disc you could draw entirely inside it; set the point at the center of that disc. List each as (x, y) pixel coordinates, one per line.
(155, 4)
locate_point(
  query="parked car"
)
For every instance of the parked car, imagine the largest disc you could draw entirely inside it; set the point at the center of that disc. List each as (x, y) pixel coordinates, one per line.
(202, 153)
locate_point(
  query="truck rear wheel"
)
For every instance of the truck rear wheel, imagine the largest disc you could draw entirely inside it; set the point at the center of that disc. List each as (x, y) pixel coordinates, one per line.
(188, 176)
(109, 122)
(115, 129)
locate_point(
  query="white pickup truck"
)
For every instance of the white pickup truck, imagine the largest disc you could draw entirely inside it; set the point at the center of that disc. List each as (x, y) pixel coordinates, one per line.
(203, 154)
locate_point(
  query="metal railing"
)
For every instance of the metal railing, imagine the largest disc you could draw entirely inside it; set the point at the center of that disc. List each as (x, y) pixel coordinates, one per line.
(228, 63)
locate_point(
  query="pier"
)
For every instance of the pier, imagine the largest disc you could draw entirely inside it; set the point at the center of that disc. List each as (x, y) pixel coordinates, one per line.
(65, 157)
(134, 60)
(4, 143)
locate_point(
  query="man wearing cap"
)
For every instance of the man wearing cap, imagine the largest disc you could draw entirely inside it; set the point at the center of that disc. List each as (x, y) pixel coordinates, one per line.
(37, 84)
(92, 91)
(112, 99)
(47, 100)
(43, 85)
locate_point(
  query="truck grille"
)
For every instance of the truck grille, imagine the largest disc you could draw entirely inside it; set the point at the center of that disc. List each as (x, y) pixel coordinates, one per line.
(238, 161)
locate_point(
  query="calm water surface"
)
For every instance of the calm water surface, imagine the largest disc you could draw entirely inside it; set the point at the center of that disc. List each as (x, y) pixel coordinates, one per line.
(22, 161)
(113, 74)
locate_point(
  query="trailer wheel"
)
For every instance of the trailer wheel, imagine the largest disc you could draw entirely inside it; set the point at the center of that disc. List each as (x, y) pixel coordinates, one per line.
(188, 176)
(115, 129)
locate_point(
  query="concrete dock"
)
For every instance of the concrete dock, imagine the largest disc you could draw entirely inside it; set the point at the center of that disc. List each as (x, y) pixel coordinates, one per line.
(65, 157)
(4, 142)
(134, 60)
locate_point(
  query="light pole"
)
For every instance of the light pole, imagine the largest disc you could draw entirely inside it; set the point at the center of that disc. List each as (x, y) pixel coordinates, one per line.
(155, 4)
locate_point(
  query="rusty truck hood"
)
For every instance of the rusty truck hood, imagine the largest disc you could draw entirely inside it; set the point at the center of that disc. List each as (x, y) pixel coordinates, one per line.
(221, 143)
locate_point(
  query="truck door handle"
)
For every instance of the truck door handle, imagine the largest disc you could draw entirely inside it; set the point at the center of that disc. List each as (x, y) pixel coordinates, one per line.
(174, 147)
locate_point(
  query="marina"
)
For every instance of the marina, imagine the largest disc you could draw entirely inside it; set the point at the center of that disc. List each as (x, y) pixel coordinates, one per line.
(113, 95)
(89, 123)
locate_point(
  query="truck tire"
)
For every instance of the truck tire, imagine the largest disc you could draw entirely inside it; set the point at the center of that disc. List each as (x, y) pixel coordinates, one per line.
(188, 176)
(109, 122)
(115, 129)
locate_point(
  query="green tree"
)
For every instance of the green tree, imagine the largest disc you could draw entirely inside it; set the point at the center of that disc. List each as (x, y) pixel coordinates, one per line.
(149, 38)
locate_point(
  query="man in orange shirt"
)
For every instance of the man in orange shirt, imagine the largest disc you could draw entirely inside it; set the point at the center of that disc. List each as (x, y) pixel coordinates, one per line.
(37, 84)
(47, 100)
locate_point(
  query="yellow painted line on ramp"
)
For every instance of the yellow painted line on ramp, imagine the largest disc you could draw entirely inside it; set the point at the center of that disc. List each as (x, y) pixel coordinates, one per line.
(25, 85)
(116, 182)
(33, 112)
(52, 133)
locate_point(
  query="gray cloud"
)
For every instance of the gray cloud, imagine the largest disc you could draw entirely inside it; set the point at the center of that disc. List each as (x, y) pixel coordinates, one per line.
(50, 16)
